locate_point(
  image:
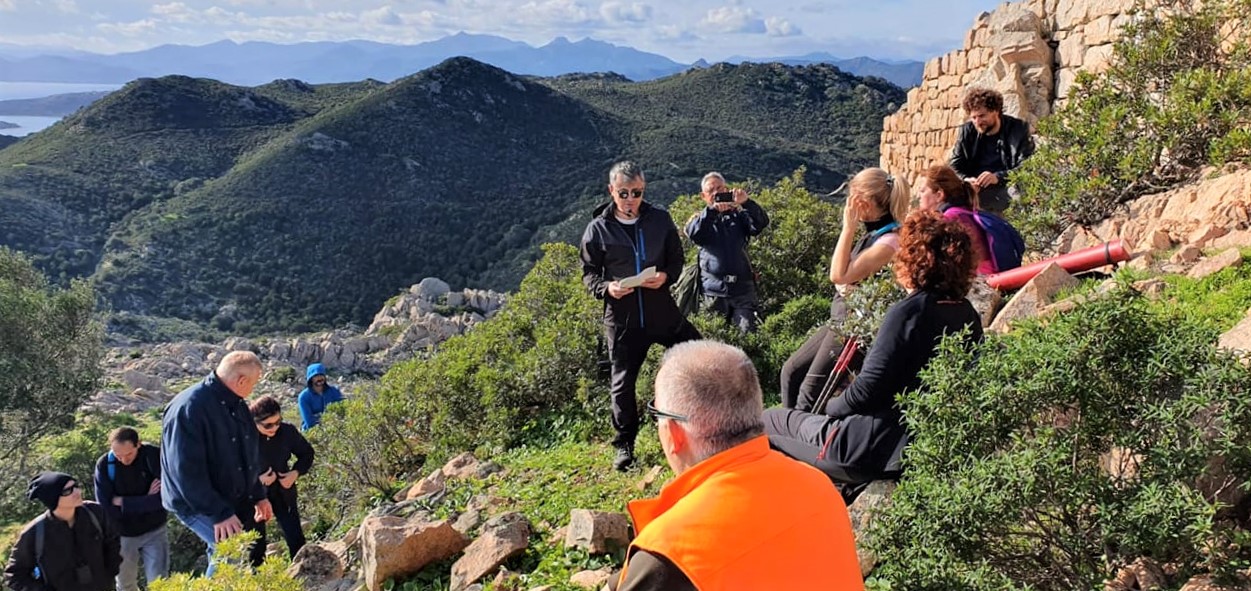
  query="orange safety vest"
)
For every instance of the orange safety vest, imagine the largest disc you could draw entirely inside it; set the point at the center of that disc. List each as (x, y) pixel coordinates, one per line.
(751, 519)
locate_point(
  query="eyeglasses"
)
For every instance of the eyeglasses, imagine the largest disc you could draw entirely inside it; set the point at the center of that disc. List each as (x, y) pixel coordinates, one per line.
(270, 424)
(658, 414)
(630, 193)
(65, 492)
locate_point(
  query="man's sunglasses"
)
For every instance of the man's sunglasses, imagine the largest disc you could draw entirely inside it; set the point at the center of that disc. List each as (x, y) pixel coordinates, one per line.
(658, 414)
(65, 492)
(270, 424)
(630, 193)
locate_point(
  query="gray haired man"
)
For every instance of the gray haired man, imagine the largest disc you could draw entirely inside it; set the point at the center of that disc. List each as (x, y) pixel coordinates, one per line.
(627, 236)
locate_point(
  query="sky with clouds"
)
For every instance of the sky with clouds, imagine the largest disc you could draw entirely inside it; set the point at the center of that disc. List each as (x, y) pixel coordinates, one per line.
(684, 30)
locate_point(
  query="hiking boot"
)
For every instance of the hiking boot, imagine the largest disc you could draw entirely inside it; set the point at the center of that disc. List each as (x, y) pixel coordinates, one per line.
(625, 458)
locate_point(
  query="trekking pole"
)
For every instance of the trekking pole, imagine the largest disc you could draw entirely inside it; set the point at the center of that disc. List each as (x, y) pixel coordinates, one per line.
(850, 347)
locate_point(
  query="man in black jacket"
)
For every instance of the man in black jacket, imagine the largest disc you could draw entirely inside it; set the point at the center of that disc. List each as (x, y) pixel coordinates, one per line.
(210, 462)
(128, 486)
(722, 231)
(627, 236)
(990, 146)
(72, 547)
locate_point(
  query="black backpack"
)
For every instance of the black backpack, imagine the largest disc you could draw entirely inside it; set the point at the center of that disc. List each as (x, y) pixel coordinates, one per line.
(41, 527)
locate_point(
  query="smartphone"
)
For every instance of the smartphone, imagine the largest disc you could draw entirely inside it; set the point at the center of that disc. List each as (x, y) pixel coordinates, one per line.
(726, 197)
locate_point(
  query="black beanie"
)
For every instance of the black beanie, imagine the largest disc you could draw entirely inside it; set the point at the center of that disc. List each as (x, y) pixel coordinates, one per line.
(46, 488)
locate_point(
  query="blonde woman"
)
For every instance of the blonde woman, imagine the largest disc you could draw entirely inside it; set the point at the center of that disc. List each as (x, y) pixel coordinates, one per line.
(877, 202)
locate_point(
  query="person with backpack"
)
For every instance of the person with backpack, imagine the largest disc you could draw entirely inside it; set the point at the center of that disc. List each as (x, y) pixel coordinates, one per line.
(128, 486)
(877, 200)
(721, 231)
(73, 546)
(280, 441)
(996, 243)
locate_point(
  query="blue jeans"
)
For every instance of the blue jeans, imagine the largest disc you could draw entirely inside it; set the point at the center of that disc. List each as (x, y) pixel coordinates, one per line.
(202, 526)
(154, 547)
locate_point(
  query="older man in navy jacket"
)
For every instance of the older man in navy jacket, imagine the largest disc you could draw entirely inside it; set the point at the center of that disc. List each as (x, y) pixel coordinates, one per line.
(721, 231)
(211, 455)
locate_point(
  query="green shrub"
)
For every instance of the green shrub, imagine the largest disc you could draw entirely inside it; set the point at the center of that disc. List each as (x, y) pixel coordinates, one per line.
(1176, 98)
(1008, 485)
(234, 573)
(50, 351)
(527, 375)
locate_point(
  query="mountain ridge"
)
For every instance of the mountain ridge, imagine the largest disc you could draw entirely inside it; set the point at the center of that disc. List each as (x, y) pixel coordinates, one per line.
(310, 204)
(256, 62)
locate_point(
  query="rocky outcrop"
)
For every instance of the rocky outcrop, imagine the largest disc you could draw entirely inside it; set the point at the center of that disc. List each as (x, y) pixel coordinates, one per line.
(871, 500)
(1030, 51)
(140, 377)
(1238, 338)
(1036, 295)
(1214, 212)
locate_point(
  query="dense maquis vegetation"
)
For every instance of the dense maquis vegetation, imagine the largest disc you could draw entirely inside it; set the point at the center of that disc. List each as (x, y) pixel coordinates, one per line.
(1176, 99)
(291, 206)
(50, 351)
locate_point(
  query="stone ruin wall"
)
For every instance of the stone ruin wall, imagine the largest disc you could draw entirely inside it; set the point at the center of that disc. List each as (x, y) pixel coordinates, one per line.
(1031, 51)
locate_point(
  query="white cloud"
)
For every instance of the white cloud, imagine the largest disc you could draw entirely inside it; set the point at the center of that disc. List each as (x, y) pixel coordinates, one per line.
(553, 12)
(620, 12)
(385, 16)
(776, 26)
(733, 19)
(66, 6)
(8, 5)
(131, 29)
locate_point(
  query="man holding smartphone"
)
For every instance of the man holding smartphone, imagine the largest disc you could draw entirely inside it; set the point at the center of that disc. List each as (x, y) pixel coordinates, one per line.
(721, 231)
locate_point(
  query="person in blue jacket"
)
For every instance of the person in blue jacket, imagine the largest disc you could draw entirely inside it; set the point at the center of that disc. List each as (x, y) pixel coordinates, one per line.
(721, 231)
(210, 455)
(316, 396)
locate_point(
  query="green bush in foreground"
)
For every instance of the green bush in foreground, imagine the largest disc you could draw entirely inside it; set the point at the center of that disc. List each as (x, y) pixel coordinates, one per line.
(1176, 98)
(1072, 447)
(234, 573)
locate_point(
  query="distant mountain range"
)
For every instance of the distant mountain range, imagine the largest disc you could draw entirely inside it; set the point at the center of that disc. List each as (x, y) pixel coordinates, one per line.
(290, 206)
(253, 63)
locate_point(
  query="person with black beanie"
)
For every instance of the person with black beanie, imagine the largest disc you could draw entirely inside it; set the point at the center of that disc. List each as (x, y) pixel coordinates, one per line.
(72, 546)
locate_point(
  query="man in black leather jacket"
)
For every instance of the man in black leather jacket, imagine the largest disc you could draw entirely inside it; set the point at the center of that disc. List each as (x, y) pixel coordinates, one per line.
(990, 146)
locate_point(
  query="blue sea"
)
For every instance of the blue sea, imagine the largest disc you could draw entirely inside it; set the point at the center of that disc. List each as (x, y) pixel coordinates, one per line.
(25, 90)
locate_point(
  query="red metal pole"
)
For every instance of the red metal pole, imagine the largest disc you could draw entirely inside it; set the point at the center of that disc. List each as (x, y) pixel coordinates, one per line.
(1074, 262)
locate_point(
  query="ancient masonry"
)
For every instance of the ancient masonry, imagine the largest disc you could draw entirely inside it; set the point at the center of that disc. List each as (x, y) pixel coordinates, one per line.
(1030, 51)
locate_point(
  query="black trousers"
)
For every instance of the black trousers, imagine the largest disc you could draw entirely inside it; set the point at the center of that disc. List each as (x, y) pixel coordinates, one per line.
(807, 369)
(627, 349)
(287, 514)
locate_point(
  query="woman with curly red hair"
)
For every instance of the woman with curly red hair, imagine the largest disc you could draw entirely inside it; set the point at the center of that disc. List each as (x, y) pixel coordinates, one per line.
(859, 436)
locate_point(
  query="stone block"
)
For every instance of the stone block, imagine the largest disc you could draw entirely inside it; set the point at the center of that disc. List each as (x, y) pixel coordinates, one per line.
(1186, 254)
(1238, 338)
(597, 532)
(502, 538)
(315, 565)
(396, 547)
(1035, 295)
(590, 579)
(872, 500)
(1097, 58)
(1215, 264)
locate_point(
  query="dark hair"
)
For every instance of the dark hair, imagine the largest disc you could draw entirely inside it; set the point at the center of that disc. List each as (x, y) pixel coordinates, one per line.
(264, 407)
(956, 191)
(124, 434)
(982, 98)
(936, 255)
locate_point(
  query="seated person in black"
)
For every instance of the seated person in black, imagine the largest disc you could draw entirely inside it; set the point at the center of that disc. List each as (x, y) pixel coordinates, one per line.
(859, 436)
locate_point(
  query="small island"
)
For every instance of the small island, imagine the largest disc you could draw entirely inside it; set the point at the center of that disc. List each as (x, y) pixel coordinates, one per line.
(7, 125)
